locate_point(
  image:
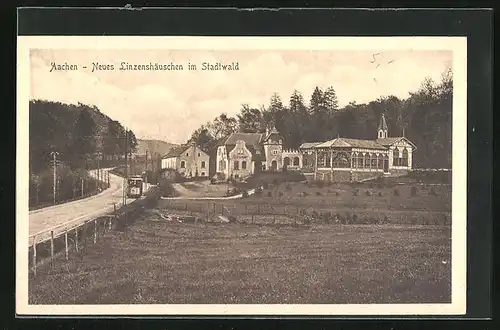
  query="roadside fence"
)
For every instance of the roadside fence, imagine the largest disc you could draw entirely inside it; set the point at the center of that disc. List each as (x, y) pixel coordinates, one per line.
(75, 236)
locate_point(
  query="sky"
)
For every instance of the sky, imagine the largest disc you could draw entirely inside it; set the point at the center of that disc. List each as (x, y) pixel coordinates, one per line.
(170, 105)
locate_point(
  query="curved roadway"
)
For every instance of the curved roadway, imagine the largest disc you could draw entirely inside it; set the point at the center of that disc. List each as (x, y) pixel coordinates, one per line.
(65, 216)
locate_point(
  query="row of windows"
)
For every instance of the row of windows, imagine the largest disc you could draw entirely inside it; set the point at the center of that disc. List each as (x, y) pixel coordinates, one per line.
(187, 154)
(400, 159)
(183, 164)
(370, 161)
(237, 165)
(296, 161)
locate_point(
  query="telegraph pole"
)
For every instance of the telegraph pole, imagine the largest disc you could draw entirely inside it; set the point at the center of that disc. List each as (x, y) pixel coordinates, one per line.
(54, 155)
(125, 179)
(146, 169)
(98, 174)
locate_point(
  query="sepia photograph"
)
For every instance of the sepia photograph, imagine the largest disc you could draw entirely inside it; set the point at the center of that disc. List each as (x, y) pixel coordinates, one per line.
(205, 175)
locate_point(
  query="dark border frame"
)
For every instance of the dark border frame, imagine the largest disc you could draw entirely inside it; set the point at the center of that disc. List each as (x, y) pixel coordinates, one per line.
(475, 24)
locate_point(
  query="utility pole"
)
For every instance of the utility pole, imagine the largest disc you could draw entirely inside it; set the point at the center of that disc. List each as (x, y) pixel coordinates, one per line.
(125, 178)
(54, 155)
(98, 174)
(146, 169)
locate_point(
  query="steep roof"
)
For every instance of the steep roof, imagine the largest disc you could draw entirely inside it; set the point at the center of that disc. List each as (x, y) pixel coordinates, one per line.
(307, 145)
(248, 138)
(351, 143)
(382, 124)
(176, 151)
(391, 140)
(252, 143)
(270, 133)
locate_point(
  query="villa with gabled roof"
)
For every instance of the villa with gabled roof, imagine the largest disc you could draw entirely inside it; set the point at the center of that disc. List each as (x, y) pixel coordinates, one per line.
(243, 154)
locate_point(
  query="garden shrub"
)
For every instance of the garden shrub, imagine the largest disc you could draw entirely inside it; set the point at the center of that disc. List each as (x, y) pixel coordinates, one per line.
(346, 219)
(354, 218)
(245, 193)
(307, 219)
(380, 194)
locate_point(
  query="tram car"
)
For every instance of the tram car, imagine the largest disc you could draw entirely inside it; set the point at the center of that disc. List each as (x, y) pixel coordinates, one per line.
(134, 187)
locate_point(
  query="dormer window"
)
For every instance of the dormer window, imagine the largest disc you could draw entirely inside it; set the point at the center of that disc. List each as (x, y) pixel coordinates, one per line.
(187, 153)
(274, 152)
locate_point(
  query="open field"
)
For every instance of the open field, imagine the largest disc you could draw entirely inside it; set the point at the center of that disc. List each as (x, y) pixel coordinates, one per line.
(402, 204)
(167, 262)
(201, 188)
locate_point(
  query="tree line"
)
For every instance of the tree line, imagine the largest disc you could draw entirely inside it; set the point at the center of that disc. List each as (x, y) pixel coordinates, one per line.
(79, 133)
(83, 138)
(424, 118)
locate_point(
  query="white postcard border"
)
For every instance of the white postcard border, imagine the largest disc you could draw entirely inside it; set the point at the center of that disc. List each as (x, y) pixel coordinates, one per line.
(459, 164)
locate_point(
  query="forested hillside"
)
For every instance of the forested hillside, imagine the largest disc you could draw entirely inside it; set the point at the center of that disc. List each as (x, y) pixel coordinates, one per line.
(83, 138)
(424, 118)
(153, 147)
(79, 133)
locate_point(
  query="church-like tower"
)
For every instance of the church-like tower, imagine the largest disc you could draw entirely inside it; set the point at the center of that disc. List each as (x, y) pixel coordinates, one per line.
(382, 128)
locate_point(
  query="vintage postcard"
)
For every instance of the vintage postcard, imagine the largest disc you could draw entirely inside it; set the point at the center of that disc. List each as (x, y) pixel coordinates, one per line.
(241, 176)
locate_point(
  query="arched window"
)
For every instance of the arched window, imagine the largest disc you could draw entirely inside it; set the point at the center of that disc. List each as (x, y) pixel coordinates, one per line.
(395, 157)
(381, 161)
(203, 164)
(321, 159)
(296, 161)
(244, 165)
(304, 161)
(328, 159)
(405, 157)
(286, 161)
(183, 164)
(366, 160)
(221, 165)
(373, 160)
(341, 160)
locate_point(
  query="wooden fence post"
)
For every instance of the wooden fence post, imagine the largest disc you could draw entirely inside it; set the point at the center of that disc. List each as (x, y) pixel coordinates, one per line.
(76, 238)
(66, 243)
(114, 216)
(34, 255)
(95, 231)
(52, 247)
(85, 234)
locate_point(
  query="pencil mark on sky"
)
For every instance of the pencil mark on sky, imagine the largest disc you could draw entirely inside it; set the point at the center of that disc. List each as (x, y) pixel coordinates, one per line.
(374, 59)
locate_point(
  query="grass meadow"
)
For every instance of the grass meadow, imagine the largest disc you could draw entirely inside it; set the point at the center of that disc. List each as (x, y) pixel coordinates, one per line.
(160, 262)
